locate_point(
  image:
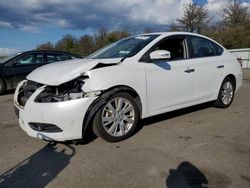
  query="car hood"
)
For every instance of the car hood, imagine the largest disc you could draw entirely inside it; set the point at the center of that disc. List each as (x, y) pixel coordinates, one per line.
(57, 73)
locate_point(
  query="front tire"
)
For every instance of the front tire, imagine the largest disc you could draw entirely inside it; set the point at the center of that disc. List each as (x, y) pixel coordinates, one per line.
(2, 86)
(226, 93)
(117, 119)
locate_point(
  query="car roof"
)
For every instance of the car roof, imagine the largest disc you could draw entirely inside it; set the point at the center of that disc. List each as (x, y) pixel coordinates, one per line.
(173, 33)
(53, 51)
(45, 51)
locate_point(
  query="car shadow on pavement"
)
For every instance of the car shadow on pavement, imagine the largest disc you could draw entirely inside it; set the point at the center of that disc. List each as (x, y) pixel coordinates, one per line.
(8, 92)
(39, 169)
(186, 176)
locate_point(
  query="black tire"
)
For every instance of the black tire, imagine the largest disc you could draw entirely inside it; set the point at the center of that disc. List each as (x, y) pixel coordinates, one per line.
(98, 126)
(219, 101)
(2, 86)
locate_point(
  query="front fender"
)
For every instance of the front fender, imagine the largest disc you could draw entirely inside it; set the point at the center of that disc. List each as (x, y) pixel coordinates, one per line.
(96, 105)
(120, 75)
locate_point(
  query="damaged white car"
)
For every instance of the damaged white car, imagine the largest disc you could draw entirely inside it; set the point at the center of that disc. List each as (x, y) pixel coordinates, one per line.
(134, 78)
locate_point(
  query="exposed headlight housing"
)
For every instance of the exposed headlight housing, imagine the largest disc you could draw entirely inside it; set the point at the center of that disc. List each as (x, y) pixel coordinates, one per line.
(64, 92)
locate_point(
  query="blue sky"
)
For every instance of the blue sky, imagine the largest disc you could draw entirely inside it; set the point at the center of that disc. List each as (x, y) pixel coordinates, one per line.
(26, 23)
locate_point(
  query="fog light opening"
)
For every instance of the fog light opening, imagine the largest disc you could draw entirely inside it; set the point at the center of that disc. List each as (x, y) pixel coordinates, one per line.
(44, 127)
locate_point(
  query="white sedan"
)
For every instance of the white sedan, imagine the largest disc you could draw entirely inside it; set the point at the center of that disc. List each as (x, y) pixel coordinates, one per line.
(115, 87)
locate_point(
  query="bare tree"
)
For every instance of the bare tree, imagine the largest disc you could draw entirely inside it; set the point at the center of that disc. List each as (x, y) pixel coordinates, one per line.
(117, 35)
(195, 17)
(86, 45)
(233, 30)
(234, 13)
(174, 26)
(101, 38)
(45, 46)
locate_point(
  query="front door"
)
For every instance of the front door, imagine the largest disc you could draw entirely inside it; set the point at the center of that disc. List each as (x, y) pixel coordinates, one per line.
(170, 83)
(24, 65)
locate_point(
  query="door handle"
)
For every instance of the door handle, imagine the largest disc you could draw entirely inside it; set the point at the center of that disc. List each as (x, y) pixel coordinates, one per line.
(220, 66)
(189, 70)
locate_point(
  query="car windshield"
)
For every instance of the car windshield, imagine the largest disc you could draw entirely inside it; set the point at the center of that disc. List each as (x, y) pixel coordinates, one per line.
(124, 48)
(7, 58)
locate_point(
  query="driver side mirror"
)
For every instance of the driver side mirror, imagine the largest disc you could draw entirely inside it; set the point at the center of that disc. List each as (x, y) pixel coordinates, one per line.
(160, 55)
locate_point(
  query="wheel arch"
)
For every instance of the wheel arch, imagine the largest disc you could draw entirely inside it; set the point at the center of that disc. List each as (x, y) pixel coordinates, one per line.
(97, 104)
(233, 78)
(129, 90)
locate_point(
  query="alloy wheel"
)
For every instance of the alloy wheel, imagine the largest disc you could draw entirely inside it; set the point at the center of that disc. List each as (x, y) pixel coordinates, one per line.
(118, 117)
(227, 93)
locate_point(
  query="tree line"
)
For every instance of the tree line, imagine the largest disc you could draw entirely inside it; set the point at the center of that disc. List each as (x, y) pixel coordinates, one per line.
(232, 30)
(86, 44)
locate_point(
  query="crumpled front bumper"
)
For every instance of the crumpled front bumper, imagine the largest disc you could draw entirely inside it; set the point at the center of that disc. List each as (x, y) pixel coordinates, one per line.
(67, 115)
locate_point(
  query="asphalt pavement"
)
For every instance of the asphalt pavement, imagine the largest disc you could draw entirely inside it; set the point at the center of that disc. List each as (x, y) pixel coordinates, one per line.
(200, 146)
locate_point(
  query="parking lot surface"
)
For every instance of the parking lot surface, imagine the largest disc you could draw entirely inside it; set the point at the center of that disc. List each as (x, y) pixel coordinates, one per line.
(201, 146)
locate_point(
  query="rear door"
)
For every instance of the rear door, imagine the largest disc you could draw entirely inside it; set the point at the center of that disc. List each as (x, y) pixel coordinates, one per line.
(51, 57)
(209, 66)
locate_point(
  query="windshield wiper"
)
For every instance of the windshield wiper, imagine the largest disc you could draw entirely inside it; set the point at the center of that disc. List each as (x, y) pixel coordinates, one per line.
(125, 57)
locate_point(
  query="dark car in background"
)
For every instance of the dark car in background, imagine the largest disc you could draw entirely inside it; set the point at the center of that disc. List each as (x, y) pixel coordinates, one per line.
(15, 68)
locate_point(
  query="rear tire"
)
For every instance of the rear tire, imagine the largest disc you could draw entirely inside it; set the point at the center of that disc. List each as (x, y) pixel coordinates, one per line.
(2, 86)
(117, 119)
(226, 93)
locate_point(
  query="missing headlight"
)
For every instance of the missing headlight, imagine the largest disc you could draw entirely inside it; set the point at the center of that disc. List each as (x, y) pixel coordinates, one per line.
(64, 92)
(26, 90)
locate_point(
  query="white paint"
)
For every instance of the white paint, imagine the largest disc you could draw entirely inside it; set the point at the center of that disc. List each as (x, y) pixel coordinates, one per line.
(160, 88)
(65, 70)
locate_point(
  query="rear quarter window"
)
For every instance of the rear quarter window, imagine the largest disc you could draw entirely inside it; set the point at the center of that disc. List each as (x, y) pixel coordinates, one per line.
(218, 49)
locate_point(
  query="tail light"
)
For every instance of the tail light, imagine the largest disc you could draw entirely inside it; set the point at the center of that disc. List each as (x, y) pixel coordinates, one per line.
(240, 61)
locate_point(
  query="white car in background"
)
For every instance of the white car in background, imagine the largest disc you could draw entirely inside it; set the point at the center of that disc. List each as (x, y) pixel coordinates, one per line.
(134, 78)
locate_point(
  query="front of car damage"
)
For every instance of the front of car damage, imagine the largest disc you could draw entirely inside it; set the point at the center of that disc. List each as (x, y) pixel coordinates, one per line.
(51, 105)
(57, 99)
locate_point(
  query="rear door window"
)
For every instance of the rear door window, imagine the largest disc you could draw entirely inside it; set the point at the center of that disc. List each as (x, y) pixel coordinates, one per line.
(201, 47)
(54, 57)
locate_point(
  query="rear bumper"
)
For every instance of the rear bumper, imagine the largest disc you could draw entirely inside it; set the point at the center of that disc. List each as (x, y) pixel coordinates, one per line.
(66, 115)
